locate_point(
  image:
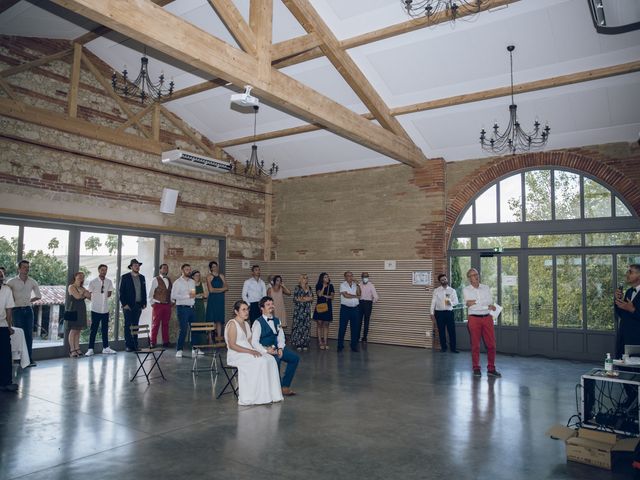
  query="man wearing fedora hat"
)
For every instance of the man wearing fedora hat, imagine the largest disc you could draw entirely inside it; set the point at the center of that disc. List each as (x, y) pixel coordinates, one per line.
(133, 298)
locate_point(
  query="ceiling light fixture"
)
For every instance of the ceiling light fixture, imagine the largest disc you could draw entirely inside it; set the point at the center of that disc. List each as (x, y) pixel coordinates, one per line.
(254, 168)
(514, 139)
(430, 8)
(142, 87)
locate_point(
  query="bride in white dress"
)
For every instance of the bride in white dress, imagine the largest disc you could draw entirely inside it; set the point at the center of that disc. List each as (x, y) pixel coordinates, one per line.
(258, 376)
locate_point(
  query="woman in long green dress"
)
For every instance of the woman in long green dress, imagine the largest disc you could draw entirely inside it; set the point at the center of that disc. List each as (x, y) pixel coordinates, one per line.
(216, 286)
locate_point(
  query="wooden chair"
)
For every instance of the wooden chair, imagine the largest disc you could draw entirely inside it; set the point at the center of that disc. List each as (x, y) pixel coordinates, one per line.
(229, 372)
(146, 354)
(209, 349)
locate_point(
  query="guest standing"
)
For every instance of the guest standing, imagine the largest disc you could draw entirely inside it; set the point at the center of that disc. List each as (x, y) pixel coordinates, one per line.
(302, 299)
(627, 307)
(258, 376)
(25, 291)
(160, 299)
(277, 290)
(253, 290)
(442, 302)
(323, 313)
(76, 305)
(479, 301)
(349, 311)
(133, 298)
(201, 295)
(368, 296)
(184, 294)
(216, 285)
(6, 309)
(100, 289)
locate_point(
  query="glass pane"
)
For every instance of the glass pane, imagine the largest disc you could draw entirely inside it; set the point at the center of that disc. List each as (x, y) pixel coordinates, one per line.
(509, 290)
(597, 200)
(500, 241)
(540, 291)
(611, 239)
(569, 288)
(9, 249)
(567, 191)
(486, 207)
(97, 249)
(621, 210)
(47, 250)
(458, 277)
(599, 292)
(511, 199)
(142, 249)
(538, 195)
(461, 243)
(467, 218)
(564, 240)
(489, 275)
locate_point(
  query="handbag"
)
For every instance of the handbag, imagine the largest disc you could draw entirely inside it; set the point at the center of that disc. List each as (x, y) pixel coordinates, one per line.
(71, 316)
(322, 307)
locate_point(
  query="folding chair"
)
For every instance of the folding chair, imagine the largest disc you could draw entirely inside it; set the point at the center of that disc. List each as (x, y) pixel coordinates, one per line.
(144, 354)
(227, 369)
(209, 349)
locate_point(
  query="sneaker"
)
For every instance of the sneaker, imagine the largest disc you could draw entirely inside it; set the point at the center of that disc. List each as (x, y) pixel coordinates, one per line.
(12, 387)
(89, 353)
(179, 354)
(33, 364)
(108, 350)
(494, 373)
(477, 372)
(196, 351)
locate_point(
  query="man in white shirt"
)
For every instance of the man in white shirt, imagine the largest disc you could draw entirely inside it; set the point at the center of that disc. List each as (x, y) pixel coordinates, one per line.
(25, 291)
(252, 292)
(267, 337)
(479, 301)
(101, 289)
(6, 306)
(183, 293)
(349, 312)
(442, 302)
(368, 296)
(160, 299)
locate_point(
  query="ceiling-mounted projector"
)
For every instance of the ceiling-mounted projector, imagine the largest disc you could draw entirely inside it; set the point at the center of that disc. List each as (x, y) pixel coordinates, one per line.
(245, 99)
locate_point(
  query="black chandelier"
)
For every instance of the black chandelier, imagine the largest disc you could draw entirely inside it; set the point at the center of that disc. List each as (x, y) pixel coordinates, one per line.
(253, 167)
(429, 8)
(142, 87)
(514, 139)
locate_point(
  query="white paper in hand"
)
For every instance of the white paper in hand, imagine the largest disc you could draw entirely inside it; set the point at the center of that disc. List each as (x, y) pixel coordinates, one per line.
(496, 312)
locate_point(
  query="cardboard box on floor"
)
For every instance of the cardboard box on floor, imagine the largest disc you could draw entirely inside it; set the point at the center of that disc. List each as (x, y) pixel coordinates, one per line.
(590, 446)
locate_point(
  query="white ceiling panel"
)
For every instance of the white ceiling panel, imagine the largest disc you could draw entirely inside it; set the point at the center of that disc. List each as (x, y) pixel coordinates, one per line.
(44, 21)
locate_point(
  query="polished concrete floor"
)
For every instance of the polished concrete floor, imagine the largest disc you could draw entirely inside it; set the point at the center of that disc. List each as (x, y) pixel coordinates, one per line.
(386, 412)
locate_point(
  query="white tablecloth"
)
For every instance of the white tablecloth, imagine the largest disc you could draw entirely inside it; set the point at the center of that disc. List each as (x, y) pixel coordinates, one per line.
(19, 349)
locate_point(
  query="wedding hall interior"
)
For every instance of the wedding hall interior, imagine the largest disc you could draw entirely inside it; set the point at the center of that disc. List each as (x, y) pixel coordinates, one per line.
(398, 140)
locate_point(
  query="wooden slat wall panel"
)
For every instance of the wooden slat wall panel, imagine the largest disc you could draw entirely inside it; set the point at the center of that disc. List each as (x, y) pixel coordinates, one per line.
(401, 317)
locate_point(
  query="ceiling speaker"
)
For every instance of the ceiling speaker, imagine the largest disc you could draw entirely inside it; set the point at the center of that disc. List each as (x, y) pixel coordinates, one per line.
(169, 200)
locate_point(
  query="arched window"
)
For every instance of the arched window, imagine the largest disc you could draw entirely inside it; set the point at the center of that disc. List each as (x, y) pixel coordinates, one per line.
(552, 244)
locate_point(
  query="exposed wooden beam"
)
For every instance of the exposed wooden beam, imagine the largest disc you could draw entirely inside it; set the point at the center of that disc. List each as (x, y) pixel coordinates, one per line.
(186, 129)
(200, 87)
(7, 4)
(235, 23)
(74, 81)
(313, 23)
(76, 126)
(35, 63)
(553, 82)
(147, 23)
(7, 89)
(136, 118)
(294, 46)
(108, 89)
(261, 22)
(155, 121)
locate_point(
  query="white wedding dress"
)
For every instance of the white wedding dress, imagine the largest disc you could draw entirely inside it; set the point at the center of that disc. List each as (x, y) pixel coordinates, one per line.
(258, 377)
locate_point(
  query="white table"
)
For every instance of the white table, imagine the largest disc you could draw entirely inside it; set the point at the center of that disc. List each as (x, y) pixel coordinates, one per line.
(19, 349)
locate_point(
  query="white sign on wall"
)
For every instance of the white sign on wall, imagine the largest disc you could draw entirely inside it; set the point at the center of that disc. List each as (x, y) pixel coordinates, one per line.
(422, 277)
(389, 264)
(509, 280)
(246, 264)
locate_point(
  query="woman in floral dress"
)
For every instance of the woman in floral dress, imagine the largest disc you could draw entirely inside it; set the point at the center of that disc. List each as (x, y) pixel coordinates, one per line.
(302, 300)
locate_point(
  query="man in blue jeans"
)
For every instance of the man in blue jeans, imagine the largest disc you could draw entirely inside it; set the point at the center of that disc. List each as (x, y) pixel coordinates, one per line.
(25, 291)
(349, 312)
(133, 298)
(267, 337)
(183, 293)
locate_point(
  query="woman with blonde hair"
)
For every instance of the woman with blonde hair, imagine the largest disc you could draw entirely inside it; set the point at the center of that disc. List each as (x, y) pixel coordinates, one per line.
(75, 314)
(302, 299)
(277, 290)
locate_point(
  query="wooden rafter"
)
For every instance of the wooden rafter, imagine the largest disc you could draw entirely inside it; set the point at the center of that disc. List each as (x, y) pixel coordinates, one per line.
(236, 24)
(7, 89)
(147, 23)
(7, 4)
(35, 63)
(294, 46)
(109, 91)
(186, 129)
(136, 118)
(553, 82)
(313, 23)
(261, 22)
(74, 81)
